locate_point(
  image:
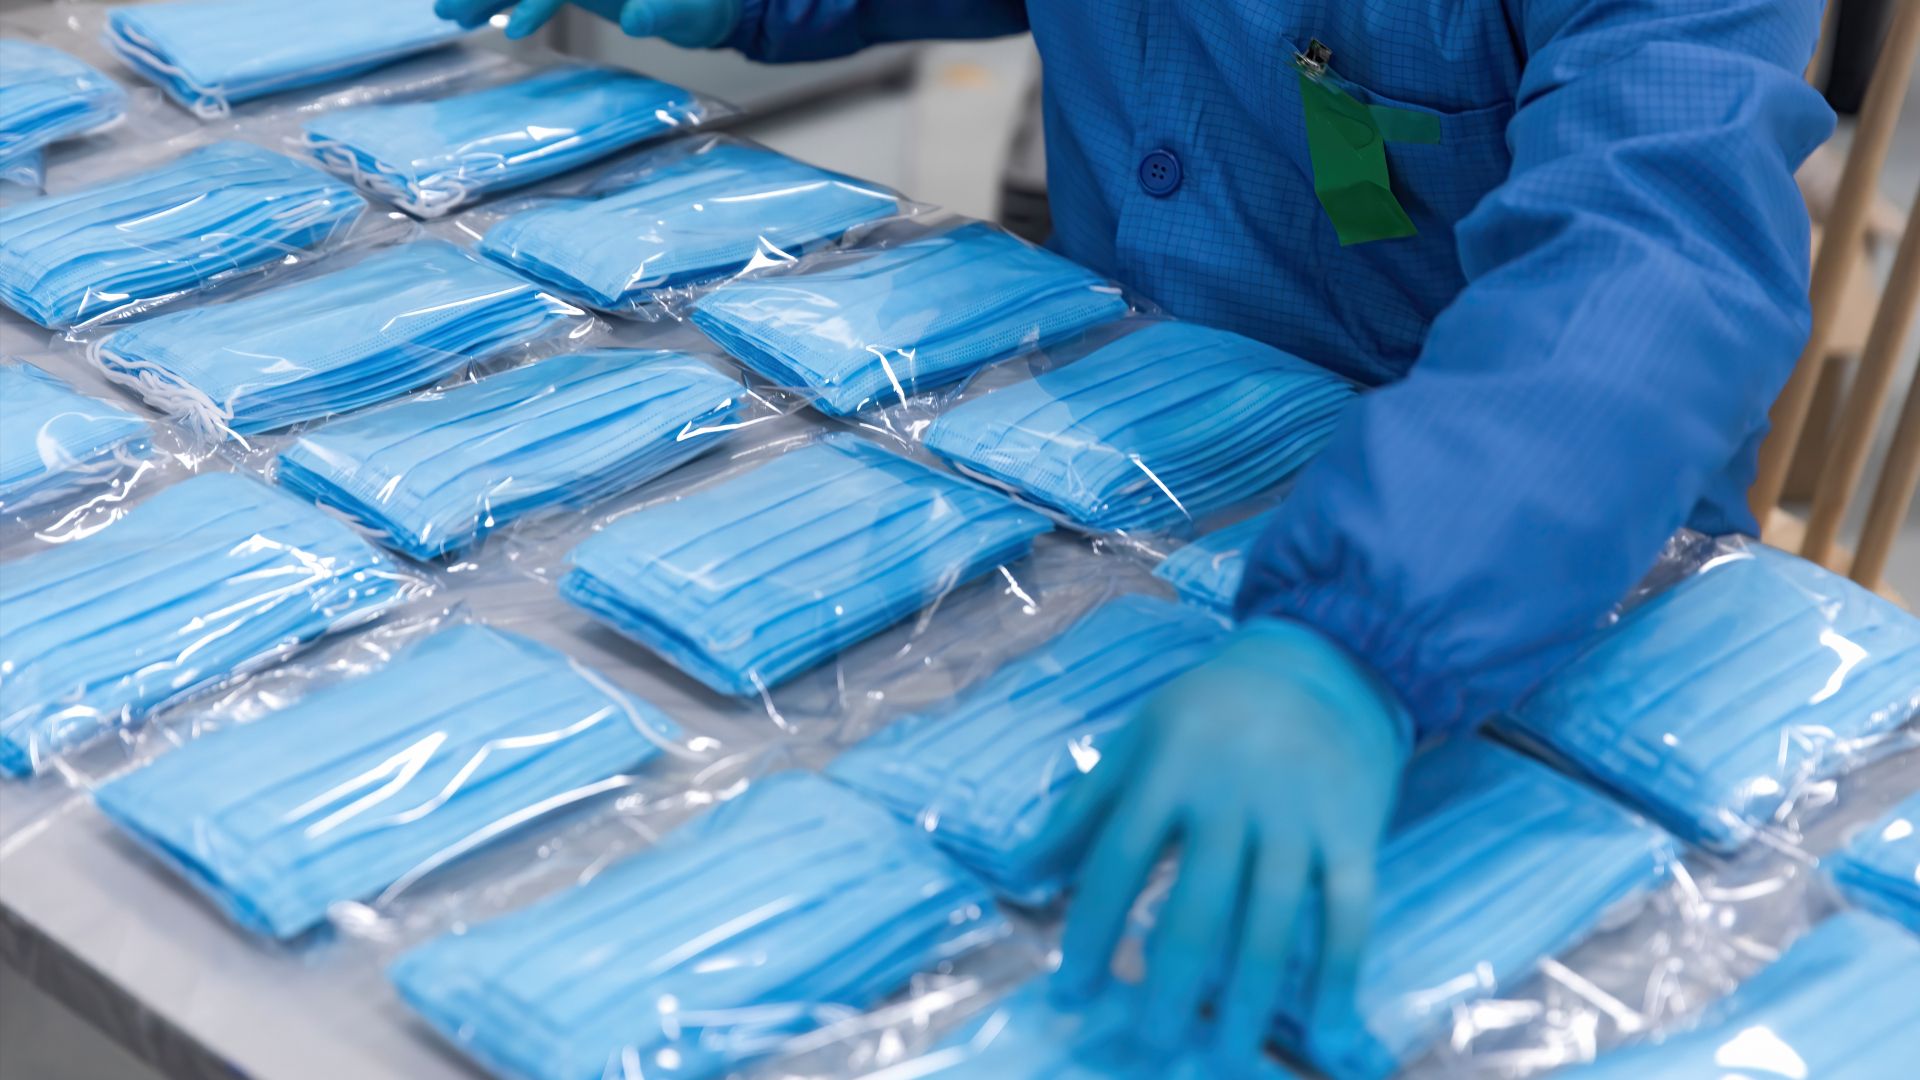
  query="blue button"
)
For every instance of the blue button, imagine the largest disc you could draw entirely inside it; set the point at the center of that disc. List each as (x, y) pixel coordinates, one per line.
(1160, 173)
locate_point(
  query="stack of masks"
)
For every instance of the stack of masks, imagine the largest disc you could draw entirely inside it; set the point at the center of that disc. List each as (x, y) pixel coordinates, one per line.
(55, 440)
(751, 581)
(795, 905)
(982, 774)
(1163, 426)
(1208, 571)
(216, 210)
(702, 216)
(209, 54)
(1880, 870)
(400, 319)
(878, 328)
(434, 474)
(1716, 704)
(432, 157)
(1492, 864)
(46, 96)
(378, 779)
(198, 582)
(1843, 1002)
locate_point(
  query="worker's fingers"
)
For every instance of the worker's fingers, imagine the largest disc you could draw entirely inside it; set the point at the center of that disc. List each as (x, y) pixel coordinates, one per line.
(1279, 878)
(1116, 870)
(693, 24)
(1346, 886)
(470, 13)
(1073, 820)
(531, 15)
(1189, 942)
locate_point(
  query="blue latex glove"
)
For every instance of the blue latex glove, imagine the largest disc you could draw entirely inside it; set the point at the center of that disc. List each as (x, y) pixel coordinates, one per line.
(1271, 766)
(692, 24)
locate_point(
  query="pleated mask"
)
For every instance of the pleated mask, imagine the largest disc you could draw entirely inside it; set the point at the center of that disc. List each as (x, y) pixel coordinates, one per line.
(207, 578)
(56, 441)
(981, 775)
(1880, 869)
(790, 907)
(434, 474)
(432, 157)
(377, 780)
(220, 209)
(751, 581)
(47, 95)
(1715, 704)
(1208, 571)
(1165, 425)
(699, 217)
(879, 328)
(339, 341)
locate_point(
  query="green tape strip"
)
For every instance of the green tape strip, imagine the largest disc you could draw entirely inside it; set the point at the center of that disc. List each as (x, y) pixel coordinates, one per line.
(1405, 125)
(1347, 144)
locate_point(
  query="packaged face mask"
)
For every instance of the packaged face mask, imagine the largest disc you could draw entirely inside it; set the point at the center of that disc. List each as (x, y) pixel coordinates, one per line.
(369, 782)
(55, 441)
(877, 329)
(1880, 870)
(432, 157)
(434, 474)
(1208, 571)
(205, 579)
(1717, 703)
(393, 322)
(1492, 864)
(981, 775)
(209, 54)
(1843, 1003)
(214, 211)
(1165, 425)
(758, 578)
(46, 96)
(794, 905)
(699, 217)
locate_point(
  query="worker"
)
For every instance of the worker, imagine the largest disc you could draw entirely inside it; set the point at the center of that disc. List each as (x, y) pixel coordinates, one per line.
(1576, 276)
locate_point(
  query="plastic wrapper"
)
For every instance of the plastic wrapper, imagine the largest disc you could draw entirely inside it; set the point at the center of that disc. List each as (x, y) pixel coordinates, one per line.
(1843, 1001)
(1720, 703)
(23, 177)
(1165, 425)
(432, 157)
(204, 579)
(1880, 869)
(767, 574)
(464, 735)
(210, 54)
(853, 331)
(435, 473)
(156, 233)
(686, 215)
(981, 775)
(56, 442)
(398, 319)
(47, 95)
(792, 905)
(1208, 571)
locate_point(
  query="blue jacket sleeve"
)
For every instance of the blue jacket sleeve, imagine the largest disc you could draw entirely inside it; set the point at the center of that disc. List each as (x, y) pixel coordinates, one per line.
(783, 30)
(1636, 298)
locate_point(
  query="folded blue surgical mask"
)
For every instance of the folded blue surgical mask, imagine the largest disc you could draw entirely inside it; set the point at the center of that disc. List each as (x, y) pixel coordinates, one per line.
(216, 210)
(698, 217)
(210, 54)
(1208, 571)
(208, 577)
(434, 474)
(981, 775)
(875, 329)
(1165, 425)
(1880, 869)
(1717, 703)
(751, 581)
(55, 441)
(379, 779)
(398, 320)
(46, 96)
(432, 157)
(794, 905)
(1843, 1003)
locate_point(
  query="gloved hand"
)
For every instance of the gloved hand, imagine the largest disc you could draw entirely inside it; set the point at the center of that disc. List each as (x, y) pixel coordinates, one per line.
(1272, 767)
(693, 24)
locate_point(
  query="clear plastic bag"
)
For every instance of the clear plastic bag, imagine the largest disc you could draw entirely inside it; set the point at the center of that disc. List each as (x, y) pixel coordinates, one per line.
(1209, 570)
(57, 443)
(1880, 869)
(433, 157)
(47, 95)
